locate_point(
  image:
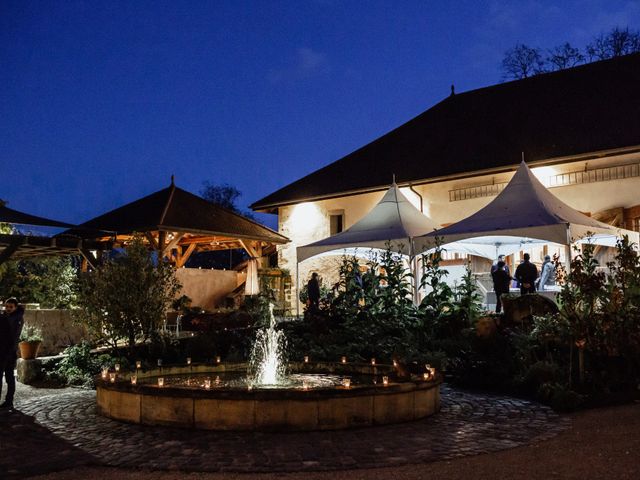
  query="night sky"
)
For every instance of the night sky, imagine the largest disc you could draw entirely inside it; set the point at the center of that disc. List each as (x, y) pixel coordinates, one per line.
(100, 102)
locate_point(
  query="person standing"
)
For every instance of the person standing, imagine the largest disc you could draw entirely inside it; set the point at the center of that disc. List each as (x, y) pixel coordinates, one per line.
(313, 291)
(501, 282)
(547, 274)
(494, 267)
(526, 275)
(11, 321)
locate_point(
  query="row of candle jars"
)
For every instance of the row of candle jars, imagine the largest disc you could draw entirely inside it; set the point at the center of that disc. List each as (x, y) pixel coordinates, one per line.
(430, 373)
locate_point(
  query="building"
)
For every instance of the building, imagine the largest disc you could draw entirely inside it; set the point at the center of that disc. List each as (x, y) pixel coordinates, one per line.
(579, 129)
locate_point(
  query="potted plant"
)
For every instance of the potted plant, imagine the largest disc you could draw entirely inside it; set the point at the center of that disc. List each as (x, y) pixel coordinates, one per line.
(30, 340)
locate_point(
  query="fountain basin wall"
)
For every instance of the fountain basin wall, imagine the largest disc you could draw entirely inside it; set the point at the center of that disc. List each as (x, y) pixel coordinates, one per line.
(267, 409)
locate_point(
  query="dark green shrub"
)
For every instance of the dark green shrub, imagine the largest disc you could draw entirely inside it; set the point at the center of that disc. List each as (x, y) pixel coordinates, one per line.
(80, 365)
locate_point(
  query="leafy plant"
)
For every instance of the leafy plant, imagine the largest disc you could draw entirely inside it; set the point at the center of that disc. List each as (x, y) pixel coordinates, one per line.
(127, 297)
(31, 333)
(49, 281)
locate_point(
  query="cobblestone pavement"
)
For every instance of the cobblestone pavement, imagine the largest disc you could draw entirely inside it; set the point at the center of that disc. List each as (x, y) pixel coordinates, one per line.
(468, 424)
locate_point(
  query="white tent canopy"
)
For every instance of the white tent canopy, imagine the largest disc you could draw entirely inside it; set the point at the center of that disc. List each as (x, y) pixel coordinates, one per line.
(394, 219)
(524, 211)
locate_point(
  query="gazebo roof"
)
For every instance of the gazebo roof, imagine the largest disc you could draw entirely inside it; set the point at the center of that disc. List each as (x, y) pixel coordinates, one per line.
(9, 215)
(173, 209)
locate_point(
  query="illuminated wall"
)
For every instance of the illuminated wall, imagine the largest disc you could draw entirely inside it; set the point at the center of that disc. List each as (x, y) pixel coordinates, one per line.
(308, 222)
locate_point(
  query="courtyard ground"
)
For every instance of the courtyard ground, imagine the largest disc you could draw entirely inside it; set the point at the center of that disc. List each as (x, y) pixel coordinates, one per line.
(599, 443)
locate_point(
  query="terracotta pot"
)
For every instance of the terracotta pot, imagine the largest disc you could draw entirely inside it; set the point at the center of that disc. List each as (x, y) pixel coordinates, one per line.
(29, 350)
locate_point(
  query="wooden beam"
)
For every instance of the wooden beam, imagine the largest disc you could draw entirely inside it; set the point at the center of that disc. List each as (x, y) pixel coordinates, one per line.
(162, 241)
(89, 257)
(173, 243)
(185, 255)
(255, 251)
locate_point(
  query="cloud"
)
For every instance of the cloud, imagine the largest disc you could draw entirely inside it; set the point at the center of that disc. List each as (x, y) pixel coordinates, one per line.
(306, 63)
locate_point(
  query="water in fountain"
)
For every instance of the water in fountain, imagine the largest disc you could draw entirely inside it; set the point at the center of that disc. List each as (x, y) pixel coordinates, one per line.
(268, 358)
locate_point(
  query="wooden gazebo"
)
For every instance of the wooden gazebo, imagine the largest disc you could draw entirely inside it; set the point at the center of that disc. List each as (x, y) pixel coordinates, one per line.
(177, 223)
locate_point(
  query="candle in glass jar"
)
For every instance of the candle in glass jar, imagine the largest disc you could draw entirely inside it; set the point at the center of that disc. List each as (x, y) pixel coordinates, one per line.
(117, 367)
(160, 381)
(373, 361)
(105, 372)
(344, 360)
(112, 377)
(207, 383)
(138, 365)
(218, 359)
(385, 380)
(134, 379)
(346, 382)
(306, 359)
(188, 360)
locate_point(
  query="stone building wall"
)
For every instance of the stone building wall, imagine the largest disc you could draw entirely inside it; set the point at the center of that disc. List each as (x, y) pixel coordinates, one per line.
(308, 222)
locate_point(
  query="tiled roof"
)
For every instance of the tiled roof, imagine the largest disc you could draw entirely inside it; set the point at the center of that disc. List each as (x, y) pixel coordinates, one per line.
(585, 109)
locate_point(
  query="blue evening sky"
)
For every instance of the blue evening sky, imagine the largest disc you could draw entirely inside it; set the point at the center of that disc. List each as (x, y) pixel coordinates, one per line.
(100, 102)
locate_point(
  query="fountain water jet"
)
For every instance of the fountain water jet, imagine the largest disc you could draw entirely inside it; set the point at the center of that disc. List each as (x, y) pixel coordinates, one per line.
(268, 365)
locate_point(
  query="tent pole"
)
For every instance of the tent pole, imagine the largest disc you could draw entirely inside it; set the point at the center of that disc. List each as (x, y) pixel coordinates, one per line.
(297, 297)
(413, 265)
(567, 251)
(567, 260)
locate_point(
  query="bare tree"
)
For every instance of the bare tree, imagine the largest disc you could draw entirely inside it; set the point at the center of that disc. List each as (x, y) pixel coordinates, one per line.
(616, 43)
(522, 61)
(564, 56)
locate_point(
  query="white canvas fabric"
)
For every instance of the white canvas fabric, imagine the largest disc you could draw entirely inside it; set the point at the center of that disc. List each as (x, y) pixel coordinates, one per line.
(394, 219)
(525, 209)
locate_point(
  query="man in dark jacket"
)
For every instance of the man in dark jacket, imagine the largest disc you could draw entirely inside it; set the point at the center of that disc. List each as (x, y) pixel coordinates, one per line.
(313, 290)
(526, 275)
(11, 321)
(501, 282)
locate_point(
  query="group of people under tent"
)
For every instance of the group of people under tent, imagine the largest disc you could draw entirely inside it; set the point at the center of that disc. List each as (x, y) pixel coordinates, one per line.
(526, 277)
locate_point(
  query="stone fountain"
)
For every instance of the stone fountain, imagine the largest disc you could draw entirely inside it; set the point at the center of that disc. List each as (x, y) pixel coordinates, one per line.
(268, 392)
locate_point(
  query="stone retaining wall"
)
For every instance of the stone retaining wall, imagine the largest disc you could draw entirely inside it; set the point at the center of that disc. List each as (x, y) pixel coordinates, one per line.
(59, 330)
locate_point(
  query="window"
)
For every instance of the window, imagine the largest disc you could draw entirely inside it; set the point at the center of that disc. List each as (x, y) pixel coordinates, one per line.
(336, 222)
